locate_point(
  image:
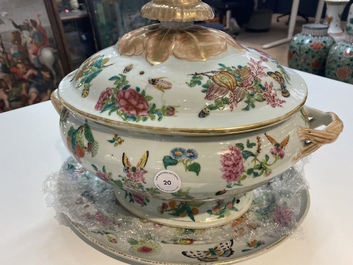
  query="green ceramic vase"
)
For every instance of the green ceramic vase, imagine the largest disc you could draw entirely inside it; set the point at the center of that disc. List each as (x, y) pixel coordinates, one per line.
(309, 49)
(339, 63)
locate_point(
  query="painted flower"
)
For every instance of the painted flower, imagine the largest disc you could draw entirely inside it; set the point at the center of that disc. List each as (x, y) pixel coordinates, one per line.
(316, 64)
(138, 198)
(106, 94)
(283, 216)
(101, 218)
(232, 163)
(132, 103)
(137, 176)
(348, 53)
(145, 248)
(317, 45)
(178, 153)
(216, 209)
(343, 73)
(170, 111)
(290, 56)
(191, 154)
(277, 152)
(271, 97)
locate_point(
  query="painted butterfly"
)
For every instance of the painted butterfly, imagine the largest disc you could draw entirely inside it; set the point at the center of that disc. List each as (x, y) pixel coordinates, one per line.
(223, 249)
(280, 79)
(276, 144)
(128, 168)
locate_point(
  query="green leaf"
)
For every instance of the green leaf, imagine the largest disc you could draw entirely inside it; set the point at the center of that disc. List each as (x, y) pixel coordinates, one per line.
(267, 157)
(109, 106)
(247, 107)
(132, 241)
(194, 167)
(225, 100)
(95, 167)
(113, 78)
(250, 145)
(250, 171)
(148, 98)
(152, 117)
(256, 174)
(152, 107)
(71, 131)
(190, 213)
(169, 161)
(240, 146)
(246, 154)
(97, 63)
(91, 76)
(88, 133)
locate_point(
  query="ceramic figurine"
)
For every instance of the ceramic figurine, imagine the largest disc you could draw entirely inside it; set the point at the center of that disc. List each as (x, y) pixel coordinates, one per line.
(309, 49)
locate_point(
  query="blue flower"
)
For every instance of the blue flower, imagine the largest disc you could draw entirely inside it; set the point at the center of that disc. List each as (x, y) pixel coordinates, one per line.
(191, 154)
(178, 153)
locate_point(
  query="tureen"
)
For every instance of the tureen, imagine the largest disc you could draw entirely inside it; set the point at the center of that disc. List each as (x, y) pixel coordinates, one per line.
(185, 122)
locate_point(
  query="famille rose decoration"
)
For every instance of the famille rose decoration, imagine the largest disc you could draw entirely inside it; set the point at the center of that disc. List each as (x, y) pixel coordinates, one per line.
(309, 49)
(339, 64)
(183, 122)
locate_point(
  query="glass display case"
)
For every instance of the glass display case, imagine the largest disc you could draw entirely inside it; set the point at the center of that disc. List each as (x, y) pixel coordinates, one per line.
(79, 35)
(111, 19)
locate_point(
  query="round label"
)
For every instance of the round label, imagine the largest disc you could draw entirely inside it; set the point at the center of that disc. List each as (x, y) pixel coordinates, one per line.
(167, 181)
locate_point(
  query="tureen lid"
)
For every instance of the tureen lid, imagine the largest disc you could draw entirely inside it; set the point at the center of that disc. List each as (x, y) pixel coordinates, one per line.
(178, 77)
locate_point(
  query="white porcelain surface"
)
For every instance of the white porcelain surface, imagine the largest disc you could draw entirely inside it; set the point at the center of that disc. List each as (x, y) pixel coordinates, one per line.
(334, 11)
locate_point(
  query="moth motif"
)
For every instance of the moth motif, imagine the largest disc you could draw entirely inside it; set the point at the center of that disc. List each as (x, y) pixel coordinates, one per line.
(223, 249)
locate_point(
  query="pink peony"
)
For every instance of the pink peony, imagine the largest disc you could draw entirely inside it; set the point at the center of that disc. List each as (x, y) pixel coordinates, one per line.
(138, 176)
(103, 97)
(132, 103)
(232, 164)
